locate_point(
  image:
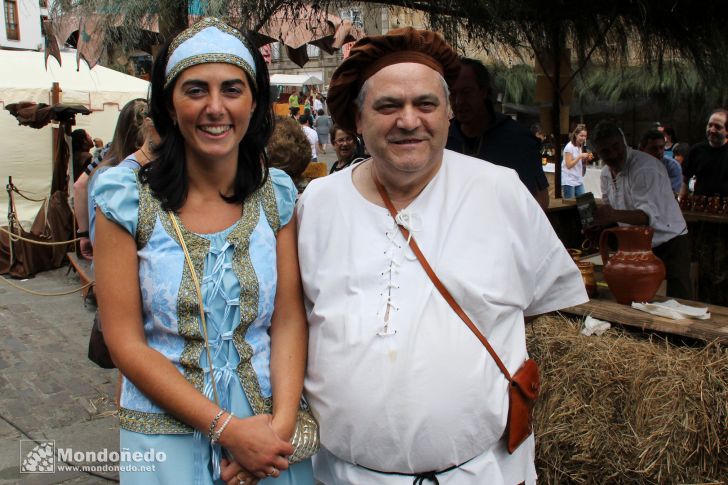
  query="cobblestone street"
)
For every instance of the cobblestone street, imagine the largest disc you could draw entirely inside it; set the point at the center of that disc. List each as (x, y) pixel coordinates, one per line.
(49, 390)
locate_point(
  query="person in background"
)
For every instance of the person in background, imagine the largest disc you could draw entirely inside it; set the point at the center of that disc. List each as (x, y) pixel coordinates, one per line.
(670, 141)
(573, 164)
(81, 144)
(708, 160)
(310, 134)
(322, 125)
(537, 131)
(653, 143)
(636, 191)
(98, 147)
(707, 167)
(129, 136)
(306, 117)
(345, 145)
(289, 150)
(293, 104)
(405, 392)
(477, 130)
(307, 103)
(680, 152)
(218, 394)
(318, 104)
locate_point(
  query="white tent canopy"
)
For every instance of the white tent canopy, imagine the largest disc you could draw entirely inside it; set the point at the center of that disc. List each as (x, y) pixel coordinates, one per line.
(23, 77)
(25, 153)
(294, 80)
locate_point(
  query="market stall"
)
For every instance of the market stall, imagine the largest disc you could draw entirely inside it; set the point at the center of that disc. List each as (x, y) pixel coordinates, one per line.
(286, 84)
(25, 154)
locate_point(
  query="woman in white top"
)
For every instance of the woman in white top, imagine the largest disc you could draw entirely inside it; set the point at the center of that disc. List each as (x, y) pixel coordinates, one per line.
(572, 171)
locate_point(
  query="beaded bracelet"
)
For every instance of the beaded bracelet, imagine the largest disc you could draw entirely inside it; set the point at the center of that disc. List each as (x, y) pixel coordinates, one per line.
(217, 434)
(211, 430)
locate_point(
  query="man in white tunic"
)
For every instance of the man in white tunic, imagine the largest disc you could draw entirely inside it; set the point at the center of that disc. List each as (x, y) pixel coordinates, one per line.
(403, 390)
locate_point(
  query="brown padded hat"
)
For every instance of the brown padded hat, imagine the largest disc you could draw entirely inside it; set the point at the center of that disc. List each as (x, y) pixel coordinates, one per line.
(373, 53)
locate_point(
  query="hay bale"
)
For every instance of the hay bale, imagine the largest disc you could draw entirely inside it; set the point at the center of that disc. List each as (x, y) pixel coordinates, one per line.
(623, 408)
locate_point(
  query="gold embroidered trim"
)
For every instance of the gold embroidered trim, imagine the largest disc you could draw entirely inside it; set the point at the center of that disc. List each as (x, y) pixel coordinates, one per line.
(208, 58)
(202, 59)
(151, 423)
(270, 206)
(239, 237)
(147, 214)
(187, 305)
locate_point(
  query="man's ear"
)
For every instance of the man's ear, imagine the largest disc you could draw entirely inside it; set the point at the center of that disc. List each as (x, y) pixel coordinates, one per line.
(357, 117)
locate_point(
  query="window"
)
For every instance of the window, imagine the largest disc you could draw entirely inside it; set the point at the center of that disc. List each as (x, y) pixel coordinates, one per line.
(353, 14)
(11, 20)
(275, 51)
(312, 51)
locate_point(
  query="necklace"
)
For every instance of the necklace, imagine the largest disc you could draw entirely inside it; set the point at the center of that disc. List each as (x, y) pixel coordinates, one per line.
(145, 155)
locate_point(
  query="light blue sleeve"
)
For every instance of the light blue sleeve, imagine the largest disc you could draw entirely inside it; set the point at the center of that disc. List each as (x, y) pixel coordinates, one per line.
(286, 194)
(117, 195)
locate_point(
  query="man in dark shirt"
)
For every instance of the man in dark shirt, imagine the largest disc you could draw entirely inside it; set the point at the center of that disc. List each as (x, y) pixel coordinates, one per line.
(479, 131)
(708, 160)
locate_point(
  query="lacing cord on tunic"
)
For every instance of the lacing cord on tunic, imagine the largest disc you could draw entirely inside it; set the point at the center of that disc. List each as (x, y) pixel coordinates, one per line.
(224, 375)
(419, 478)
(210, 390)
(414, 223)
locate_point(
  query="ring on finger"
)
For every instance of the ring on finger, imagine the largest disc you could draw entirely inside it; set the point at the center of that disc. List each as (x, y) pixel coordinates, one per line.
(273, 472)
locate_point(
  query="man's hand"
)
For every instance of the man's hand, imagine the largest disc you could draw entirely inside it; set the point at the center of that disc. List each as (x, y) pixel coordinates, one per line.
(87, 250)
(605, 216)
(255, 446)
(233, 474)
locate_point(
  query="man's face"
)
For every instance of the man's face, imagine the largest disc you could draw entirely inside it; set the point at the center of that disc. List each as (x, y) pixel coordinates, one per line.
(716, 131)
(404, 119)
(655, 147)
(467, 98)
(612, 151)
(344, 145)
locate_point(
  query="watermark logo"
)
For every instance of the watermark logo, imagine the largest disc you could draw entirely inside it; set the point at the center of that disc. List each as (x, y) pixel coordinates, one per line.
(37, 457)
(46, 457)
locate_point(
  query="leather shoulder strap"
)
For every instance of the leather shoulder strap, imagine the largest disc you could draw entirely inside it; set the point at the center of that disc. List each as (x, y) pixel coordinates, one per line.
(438, 284)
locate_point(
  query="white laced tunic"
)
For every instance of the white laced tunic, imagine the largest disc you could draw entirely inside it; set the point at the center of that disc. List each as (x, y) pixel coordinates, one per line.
(398, 381)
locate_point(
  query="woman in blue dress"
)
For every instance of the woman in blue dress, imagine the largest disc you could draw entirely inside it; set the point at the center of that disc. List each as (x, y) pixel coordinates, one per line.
(210, 400)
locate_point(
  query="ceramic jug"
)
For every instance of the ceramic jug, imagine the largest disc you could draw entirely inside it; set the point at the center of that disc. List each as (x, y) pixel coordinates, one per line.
(633, 273)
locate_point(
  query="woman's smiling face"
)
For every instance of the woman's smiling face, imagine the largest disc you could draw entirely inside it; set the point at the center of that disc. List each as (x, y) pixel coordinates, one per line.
(212, 105)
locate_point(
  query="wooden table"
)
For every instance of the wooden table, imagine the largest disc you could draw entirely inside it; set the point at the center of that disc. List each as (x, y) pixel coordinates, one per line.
(605, 308)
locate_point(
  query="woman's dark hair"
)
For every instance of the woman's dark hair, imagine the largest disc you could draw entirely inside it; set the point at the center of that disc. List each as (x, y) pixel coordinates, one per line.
(167, 174)
(79, 140)
(680, 149)
(129, 133)
(670, 131)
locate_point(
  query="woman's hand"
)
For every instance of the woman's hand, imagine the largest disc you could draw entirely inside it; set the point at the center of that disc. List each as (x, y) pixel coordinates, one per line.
(255, 446)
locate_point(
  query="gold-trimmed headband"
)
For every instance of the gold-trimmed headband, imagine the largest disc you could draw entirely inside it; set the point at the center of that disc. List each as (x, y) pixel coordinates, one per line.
(209, 40)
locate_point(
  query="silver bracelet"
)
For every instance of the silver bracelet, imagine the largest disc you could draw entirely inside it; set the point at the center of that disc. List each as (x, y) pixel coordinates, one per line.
(211, 430)
(217, 434)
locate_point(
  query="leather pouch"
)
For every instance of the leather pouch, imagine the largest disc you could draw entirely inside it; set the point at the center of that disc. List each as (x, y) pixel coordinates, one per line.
(523, 391)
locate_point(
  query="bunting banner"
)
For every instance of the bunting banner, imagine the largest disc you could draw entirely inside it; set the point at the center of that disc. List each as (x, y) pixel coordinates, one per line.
(51, 43)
